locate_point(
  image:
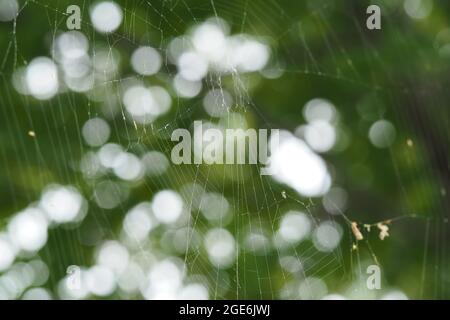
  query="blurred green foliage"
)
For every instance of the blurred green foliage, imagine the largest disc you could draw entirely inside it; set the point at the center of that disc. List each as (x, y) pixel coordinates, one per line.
(324, 50)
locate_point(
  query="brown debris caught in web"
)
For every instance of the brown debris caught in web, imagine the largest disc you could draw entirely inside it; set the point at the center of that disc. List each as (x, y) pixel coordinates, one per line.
(356, 232)
(384, 230)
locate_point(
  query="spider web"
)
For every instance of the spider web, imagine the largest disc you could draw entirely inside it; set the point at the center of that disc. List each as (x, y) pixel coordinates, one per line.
(304, 46)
